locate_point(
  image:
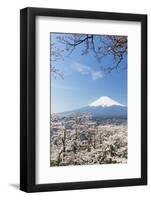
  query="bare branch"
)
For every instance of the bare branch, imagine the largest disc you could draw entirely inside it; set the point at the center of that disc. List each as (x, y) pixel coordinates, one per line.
(99, 45)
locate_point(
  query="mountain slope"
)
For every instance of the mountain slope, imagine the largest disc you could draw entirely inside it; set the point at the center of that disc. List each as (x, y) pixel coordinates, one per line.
(104, 106)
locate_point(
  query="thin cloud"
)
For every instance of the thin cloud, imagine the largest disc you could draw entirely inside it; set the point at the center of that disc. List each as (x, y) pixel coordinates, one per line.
(86, 70)
(96, 75)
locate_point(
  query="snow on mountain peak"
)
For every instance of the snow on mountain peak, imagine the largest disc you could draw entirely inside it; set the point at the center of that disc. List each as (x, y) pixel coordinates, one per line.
(105, 102)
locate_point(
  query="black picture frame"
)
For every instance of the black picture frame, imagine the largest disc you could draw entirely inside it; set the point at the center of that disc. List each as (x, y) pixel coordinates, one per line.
(28, 99)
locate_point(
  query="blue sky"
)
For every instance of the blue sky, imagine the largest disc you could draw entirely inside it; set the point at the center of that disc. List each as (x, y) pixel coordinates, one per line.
(84, 80)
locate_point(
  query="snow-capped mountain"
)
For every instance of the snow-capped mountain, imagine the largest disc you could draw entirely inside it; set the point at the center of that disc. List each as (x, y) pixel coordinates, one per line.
(104, 106)
(105, 102)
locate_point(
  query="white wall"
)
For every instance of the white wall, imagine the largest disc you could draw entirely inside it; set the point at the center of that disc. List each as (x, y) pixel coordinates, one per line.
(9, 98)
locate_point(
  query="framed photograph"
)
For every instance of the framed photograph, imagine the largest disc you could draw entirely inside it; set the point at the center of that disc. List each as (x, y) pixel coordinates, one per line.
(83, 99)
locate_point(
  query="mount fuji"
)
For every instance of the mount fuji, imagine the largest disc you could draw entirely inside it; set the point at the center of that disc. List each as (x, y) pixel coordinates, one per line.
(102, 107)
